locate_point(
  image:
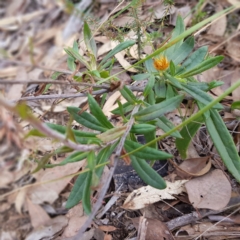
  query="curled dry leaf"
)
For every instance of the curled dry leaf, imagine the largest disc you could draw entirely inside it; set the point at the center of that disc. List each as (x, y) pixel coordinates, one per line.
(144, 196)
(156, 230)
(212, 191)
(194, 167)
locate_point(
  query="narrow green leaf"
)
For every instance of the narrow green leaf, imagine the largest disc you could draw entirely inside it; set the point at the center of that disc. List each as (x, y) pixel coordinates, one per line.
(224, 143)
(235, 105)
(125, 108)
(149, 86)
(149, 66)
(183, 51)
(148, 152)
(71, 52)
(117, 49)
(128, 95)
(170, 92)
(141, 76)
(77, 191)
(199, 95)
(75, 157)
(112, 134)
(172, 68)
(147, 174)
(86, 197)
(187, 133)
(160, 89)
(103, 156)
(150, 136)
(205, 65)
(142, 128)
(193, 60)
(89, 40)
(91, 160)
(179, 28)
(159, 109)
(80, 136)
(151, 99)
(71, 63)
(86, 119)
(166, 125)
(98, 113)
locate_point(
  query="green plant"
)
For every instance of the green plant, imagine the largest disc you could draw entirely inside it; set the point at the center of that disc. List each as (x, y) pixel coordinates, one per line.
(170, 72)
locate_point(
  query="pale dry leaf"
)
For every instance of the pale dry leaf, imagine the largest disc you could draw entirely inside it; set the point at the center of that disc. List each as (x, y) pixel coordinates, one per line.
(185, 12)
(218, 27)
(8, 72)
(49, 192)
(75, 223)
(20, 200)
(50, 229)
(121, 59)
(161, 10)
(144, 196)
(110, 102)
(18, 20)
(6, 177)
(211, 191)
(106, 47)
(16, 90)
(38, 215)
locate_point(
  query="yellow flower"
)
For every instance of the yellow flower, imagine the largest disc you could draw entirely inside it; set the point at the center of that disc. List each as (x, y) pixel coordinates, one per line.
(161, 63)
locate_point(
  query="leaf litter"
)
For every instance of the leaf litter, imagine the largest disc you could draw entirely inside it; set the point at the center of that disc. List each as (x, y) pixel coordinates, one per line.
(207, 189)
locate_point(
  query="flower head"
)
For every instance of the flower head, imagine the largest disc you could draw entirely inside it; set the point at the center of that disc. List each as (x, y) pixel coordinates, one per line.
(161, 63)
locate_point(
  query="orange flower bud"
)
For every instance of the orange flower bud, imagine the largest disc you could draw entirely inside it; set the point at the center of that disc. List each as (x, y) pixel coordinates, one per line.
(161, 63)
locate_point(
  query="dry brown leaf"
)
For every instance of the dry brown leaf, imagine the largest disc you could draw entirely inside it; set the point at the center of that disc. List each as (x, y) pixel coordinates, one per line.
(38, 215)
(49, 192)
(107, 228)
(76, 220)
(107, 237)
(50, 229)
(194, 167)
(156, 230)
(233, 48)
(122, 21)
(212, 191)
(218, 27)
(144, 196)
